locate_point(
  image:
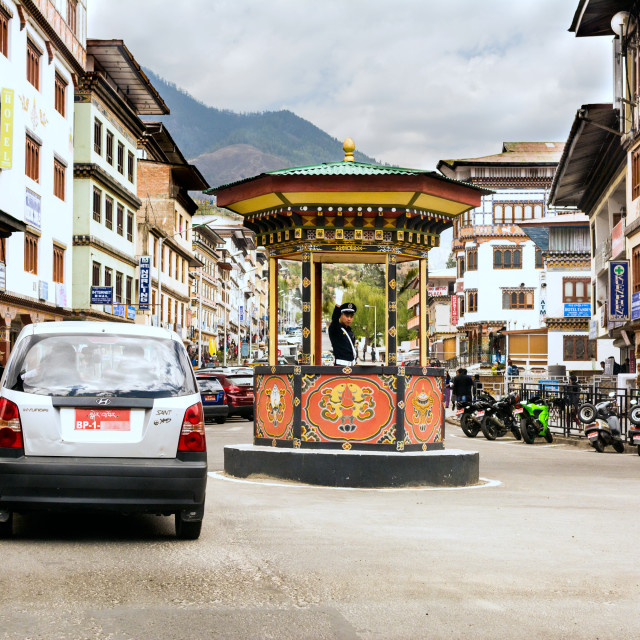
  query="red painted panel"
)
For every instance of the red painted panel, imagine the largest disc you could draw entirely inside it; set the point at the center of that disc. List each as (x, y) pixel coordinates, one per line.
(349, 409)
(423, 411)
(274, 407)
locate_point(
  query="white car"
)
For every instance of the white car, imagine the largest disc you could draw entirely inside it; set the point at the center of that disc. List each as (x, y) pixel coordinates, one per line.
(102, 416)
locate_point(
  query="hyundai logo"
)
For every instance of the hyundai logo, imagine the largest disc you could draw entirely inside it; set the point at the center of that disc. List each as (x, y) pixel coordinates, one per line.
(103, 401)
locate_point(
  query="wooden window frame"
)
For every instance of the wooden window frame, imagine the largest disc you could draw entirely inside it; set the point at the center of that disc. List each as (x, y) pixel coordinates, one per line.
(570, 348)
(4, 33)
(33, 63)
(118, 292)
(72, 15)
(97, 136)
(31, 253)
(109, 147)
(108, 277)
(58, 264)
(539, 264)
(635, 269)
(120, 219)
(573, 298)
(635, 174)
(120, 158)
(96, 269)
(129, 226)
(130, 166)
(59, 179)
(472, 300)
(128, 290)
(472, 260)
(97, 204)
(32, 158)
(460, 263)
(108, 212)
(60, 95)
(518, 300)
(511, 252)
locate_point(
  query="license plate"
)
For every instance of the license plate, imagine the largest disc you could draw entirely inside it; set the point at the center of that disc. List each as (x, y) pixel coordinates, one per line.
(210, 398)
(459, 411)
(479, 414)
(103, 420)
(520, 410)
(636, 438)
(593, 435)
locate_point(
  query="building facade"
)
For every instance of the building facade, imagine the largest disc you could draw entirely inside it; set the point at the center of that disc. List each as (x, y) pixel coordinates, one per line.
(42, 56)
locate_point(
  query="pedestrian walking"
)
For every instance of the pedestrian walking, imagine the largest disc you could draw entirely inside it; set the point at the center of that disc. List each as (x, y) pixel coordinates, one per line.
(573, 397)
(447, 390)
(462, 386)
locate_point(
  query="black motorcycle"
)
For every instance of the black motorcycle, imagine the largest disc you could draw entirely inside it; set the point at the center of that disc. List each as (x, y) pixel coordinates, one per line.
(602, 425)
(500, 417)
(634, 419)
(471, 414)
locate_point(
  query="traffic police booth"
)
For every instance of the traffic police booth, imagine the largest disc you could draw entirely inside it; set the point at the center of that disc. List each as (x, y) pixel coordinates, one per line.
(349, 425)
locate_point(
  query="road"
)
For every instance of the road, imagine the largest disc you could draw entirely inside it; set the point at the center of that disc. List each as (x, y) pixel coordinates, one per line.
(546, 551)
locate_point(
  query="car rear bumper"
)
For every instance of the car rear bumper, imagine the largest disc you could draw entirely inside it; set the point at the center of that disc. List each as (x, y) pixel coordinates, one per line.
(125, 485)
(244, 410)
(215, 410)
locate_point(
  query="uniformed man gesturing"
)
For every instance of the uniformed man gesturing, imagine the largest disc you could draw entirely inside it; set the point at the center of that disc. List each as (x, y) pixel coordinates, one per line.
(340, 333)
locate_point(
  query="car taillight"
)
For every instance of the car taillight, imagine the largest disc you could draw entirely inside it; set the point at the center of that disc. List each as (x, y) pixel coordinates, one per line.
(10, 427)
(192, 433)
(233, 389)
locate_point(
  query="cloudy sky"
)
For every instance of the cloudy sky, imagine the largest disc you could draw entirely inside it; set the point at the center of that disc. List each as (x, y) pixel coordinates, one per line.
(411, 81)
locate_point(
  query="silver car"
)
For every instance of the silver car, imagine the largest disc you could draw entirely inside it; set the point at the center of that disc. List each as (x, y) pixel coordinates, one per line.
(101, 416)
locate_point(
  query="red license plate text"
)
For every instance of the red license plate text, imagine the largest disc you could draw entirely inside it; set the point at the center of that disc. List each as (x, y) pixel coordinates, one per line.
(102, 420)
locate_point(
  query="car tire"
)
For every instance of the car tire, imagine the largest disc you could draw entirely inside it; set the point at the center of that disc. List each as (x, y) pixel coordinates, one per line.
(6, 527)
(221, 420)
(187, 529)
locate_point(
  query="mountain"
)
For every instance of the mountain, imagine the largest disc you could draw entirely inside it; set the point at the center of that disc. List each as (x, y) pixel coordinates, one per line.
(228, 146)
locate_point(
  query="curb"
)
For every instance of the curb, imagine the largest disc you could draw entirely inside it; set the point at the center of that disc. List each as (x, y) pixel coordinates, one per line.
(575, 441)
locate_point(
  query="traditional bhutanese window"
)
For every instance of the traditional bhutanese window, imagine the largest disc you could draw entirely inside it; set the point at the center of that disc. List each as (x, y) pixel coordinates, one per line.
(120, 165)
(58, 264)
(576, 289)
(97, 205)
(472, 300)
(95, 274)
(108, 212)
(578, 348)
(60, 94)
(635, 174)
(120, 220)
(129, 226)
(97, 136)
(119, 277)
(472, 260)
(72, 15)
(539, 259)
(507, 258)
(517, 299)
(58, 179)
(32, 159)
(31, 253)
(33, 64)
(109, 147)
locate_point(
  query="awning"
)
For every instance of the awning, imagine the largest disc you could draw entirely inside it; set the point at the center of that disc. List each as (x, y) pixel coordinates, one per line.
(9, 225)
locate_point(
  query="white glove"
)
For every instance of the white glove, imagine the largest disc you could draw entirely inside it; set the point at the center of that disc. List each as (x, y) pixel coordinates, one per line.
(339, 294)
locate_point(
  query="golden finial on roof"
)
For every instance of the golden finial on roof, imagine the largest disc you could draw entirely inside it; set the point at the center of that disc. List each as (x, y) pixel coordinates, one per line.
(349, 147)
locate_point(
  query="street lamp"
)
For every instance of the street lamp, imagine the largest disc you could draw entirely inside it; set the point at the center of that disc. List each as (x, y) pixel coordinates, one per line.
(375, 323)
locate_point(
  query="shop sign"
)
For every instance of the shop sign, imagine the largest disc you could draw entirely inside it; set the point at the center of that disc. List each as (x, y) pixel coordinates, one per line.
(101, 295)
(32, 213)
(43, 290)
(61, 294)
(635, 305)
(593, 329)
(6, 128)
(577, 309)
(454, 310)
(144, 283)
(131, 312)
(119, 310)
(438, 291)
(619, 310)
(617, 239)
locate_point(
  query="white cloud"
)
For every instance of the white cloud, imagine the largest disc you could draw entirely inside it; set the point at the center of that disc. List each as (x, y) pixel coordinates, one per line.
(411, 81)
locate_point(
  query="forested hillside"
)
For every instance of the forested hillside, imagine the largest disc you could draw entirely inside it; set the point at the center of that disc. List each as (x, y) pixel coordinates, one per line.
(228, 146)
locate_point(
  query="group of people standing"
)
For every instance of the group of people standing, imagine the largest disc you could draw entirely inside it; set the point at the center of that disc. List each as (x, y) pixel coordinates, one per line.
(461, 388)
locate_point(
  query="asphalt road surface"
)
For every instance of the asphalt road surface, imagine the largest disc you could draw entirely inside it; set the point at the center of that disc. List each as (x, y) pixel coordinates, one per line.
(547, 550)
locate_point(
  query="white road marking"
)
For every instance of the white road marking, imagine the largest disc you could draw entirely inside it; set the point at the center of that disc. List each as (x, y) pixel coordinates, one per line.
(219, 475)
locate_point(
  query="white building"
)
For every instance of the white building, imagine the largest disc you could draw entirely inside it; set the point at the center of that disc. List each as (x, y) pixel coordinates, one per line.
(42, 53)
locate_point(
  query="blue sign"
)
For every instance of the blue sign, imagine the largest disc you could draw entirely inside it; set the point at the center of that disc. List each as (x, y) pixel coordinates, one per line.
(32, 212)
(577, 309)
(635, 305)
(144, 281)
(131, 312)
(101, 295)
(241, 313)
(619, 307)
(118, 310)
(548, 385)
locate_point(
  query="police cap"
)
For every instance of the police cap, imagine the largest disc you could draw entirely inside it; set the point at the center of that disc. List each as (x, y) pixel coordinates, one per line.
(348, 307)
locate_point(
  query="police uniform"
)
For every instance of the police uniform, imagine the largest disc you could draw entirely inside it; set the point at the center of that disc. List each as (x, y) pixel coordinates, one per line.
(342, 339)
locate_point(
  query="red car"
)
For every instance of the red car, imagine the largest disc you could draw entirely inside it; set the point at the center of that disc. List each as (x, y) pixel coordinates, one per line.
(238, 389)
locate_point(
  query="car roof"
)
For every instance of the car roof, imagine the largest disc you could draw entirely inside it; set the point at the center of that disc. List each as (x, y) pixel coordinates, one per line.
(92, 327)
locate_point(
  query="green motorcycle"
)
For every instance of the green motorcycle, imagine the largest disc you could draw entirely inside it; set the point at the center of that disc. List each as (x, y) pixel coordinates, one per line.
(534, 420)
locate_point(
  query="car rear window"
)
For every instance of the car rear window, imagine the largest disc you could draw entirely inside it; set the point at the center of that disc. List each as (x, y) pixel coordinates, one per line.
(209, 385)
(88, 364)
(240, 380)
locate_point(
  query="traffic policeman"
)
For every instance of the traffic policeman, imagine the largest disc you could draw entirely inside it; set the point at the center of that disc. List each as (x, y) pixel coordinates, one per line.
(340, 333)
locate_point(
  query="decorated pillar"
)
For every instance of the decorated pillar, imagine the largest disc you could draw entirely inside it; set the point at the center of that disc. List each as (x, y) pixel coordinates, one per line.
(423, 338)
(273, 311)
(392, 311)
(306, 306)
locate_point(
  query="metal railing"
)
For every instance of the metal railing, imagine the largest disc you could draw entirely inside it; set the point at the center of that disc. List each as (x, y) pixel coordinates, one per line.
(475, 356)
(563, 412)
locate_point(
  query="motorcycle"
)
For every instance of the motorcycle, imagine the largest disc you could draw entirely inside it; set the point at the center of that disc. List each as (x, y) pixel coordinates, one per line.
(500, 417)
(471, 416)
(534, 420)
(634, 419)
(602, 425)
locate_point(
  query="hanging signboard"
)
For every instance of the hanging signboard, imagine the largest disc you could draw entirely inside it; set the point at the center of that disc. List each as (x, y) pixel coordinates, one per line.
(144, 281)
(119, 310)
(101, 295)
(6, 128)
(619, 299)
(32, 212)
(454, 310)
(635, 305)
(617, 239)
(438, 291)
(577, 309)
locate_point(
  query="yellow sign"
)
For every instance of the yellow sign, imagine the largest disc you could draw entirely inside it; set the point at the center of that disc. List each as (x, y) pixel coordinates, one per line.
(6, 128)
(211, 349)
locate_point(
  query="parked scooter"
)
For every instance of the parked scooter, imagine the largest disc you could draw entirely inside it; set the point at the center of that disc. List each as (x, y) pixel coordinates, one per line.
(634, 419)
(602, 425)
(500, 417)
(534, 420)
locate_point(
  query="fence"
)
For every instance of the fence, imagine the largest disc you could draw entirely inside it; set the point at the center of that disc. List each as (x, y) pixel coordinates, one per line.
(563, 412)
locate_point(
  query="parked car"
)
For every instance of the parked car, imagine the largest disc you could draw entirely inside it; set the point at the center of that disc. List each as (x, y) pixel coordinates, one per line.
(239, 391)
(327, 358)
(102, 416)
(214, 401)
(265, 361)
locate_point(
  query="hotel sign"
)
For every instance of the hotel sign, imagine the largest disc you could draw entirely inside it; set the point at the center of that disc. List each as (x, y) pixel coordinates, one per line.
(454, 310)
(619, 306)
(144, 283)
(6, 128)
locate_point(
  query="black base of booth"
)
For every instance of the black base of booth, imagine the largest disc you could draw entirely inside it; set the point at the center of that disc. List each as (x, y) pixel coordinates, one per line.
(338, 468)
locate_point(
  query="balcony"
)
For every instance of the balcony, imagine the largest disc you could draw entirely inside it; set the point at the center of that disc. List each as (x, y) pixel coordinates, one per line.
(602, 254)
